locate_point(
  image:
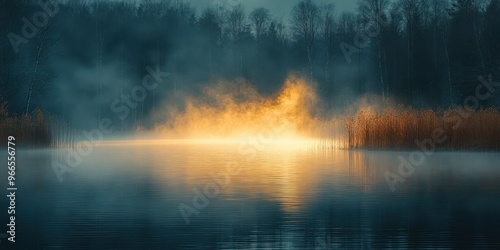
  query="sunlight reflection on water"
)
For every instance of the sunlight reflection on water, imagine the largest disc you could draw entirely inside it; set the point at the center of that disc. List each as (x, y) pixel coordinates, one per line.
(126, 195)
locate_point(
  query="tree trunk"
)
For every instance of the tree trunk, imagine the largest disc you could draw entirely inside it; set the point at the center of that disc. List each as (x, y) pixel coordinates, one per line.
(478, 44)
(381, 69)
(449, 67)
(310, 59)
(35, 71)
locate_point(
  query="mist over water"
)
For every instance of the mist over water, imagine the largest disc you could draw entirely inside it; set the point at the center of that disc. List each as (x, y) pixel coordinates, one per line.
(228, 109)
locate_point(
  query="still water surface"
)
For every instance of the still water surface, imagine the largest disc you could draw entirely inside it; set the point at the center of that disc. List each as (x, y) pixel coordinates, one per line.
(127, 196)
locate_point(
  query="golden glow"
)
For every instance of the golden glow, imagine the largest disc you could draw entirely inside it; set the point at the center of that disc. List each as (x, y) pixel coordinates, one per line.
(278, 143)
(269, 138)
(288, 177)
(237, 111)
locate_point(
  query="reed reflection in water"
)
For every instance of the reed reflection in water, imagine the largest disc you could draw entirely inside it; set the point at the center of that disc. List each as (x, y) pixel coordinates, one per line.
(127, 195)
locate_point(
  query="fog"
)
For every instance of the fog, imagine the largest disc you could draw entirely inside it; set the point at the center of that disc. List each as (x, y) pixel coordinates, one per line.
(94, 59)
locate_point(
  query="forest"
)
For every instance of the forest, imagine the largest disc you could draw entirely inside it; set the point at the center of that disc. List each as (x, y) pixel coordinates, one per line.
(71, 59)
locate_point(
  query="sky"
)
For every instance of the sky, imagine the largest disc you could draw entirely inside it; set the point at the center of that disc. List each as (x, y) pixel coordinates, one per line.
(279, 8)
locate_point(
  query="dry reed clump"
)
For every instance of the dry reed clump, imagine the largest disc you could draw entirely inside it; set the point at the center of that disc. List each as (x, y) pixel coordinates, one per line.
(400, 128)
(30, 130)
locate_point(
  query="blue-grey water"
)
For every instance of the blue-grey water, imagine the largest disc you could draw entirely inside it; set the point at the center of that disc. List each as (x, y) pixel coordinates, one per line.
(127, 196)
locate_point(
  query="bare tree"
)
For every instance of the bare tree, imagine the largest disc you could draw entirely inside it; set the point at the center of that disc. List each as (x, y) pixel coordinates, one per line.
(477, 10)
(327, 36)
(305, 25)
(260, 19)
(440, 31)
(277, 32)
(208, 24)
(411, 19)
(372, 11)
(237, 26)
(491, 36)
(220, 18)
(346, 31)
(40, 78)
(99, 30)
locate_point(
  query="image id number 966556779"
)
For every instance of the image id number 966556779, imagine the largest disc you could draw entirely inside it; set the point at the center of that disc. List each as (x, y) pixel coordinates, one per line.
(11, 189)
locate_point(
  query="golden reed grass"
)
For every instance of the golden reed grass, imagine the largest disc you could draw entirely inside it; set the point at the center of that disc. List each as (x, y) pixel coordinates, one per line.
(399, 128)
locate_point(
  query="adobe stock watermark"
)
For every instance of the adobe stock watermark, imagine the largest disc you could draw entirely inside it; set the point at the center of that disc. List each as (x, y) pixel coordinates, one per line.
(427, 147)
(30, 29)
(249, 147)
(138, 94)
(363, 36)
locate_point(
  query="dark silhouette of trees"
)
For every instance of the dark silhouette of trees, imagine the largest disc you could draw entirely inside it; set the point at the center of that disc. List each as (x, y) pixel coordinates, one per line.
(327, 37)
(373, 13)
(260, 20)
(238, 26)
(305, 26)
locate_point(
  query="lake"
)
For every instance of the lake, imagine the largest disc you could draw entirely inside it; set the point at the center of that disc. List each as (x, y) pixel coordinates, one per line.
(209, 195)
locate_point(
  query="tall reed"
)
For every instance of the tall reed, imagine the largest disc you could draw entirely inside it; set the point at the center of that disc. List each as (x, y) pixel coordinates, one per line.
(400, 128)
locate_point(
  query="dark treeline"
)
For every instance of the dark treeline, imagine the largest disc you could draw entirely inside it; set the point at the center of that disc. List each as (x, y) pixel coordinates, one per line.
(423, 53)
